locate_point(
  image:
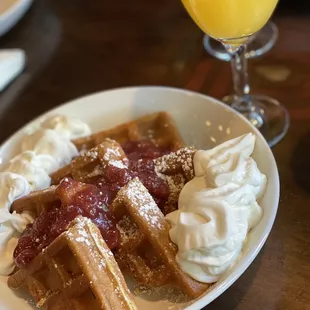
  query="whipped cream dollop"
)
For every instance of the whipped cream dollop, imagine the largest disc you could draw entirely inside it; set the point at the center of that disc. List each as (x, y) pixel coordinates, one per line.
(52, 149)
(42, 152)
(34, 168)
(217, 209)
(69, 128)
(12, 187)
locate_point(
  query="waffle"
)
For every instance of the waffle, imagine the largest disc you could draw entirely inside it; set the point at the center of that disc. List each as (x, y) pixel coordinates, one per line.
(178, 162)
(99, 150)
(175, 168)
(36, 202)
(144, 236)
(76, 271)
(92, 163)
(146, 249)
(157, 127)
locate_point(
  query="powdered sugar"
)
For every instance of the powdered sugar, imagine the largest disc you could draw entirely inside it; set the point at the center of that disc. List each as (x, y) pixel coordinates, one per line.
(112, 153)
(43, 300)
(86, 236)
(82, 239)
(118, 163)
(151, 133)
(80, 223)
(175, 184)
(167, 292)
(93, 154)
(128, 229)
(147, 207)
(98, 170)
(146, 211)
(68, 283)
(181, 160)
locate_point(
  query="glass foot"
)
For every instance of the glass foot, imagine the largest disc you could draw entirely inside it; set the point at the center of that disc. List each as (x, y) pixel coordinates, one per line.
(263, 42)
(266, 114)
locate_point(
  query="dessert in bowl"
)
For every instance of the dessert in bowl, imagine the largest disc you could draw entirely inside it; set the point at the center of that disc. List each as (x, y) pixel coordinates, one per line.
(148, 207)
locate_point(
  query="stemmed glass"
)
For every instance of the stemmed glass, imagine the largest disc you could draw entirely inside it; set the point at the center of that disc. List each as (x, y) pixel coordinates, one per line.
(234, 23)
(262, 43)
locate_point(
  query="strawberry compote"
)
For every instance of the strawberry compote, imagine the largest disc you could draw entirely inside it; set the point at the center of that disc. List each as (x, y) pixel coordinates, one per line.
(140, 164)
(90, 200)
(144, 149)
(75, 198)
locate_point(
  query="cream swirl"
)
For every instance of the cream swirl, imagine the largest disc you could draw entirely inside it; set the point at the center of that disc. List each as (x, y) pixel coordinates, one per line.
(43, 151)
(34, 168)
(58, 150)
(217, 209)
(69, 128)
(13, 186)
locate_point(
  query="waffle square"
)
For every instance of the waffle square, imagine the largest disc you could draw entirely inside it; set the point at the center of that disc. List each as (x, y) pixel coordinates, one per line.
(157, 127)
(146, 249)
(76, 271)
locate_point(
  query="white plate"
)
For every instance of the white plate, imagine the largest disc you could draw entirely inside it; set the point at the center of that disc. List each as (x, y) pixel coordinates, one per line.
(203, 122)
(11, 11)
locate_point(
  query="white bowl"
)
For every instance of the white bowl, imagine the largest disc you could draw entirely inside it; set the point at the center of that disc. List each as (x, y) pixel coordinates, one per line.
(203, 122)
(14, 11)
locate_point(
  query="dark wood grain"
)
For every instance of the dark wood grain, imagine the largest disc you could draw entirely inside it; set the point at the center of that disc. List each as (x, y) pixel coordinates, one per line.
(76, 47)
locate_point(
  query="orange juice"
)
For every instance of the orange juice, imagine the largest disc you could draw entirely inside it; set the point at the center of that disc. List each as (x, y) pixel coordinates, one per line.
(230, 19)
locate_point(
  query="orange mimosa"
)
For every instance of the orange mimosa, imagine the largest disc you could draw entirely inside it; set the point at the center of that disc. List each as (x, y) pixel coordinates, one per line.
(227, 20)
(234, 23)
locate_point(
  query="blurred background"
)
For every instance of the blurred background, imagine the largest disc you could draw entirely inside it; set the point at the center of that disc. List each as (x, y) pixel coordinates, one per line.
(75, 47)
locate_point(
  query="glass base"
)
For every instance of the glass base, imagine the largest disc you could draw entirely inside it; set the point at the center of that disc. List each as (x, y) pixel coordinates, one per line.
(267, 114)
(263, 42)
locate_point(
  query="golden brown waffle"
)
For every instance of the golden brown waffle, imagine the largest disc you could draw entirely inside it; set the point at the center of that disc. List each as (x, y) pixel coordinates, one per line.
(92, 163)
(177, 169)
(178, 162)
(142, 226)
(146, 249)
(36, 202)
(77, 271)
(157, 265)
(157, 127)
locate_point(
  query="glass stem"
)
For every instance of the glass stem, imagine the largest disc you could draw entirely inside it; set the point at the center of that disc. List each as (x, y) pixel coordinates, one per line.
(240, 77)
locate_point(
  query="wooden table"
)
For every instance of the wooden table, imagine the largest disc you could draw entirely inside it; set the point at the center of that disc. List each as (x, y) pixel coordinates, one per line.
(76, 47)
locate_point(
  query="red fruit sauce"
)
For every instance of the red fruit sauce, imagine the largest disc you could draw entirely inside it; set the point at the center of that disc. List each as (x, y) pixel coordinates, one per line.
(76, 198)
(140, 155)
(90, 200)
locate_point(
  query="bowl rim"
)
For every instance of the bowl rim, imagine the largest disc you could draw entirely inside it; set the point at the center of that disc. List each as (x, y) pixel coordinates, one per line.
(211, 295)
(19, 4)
